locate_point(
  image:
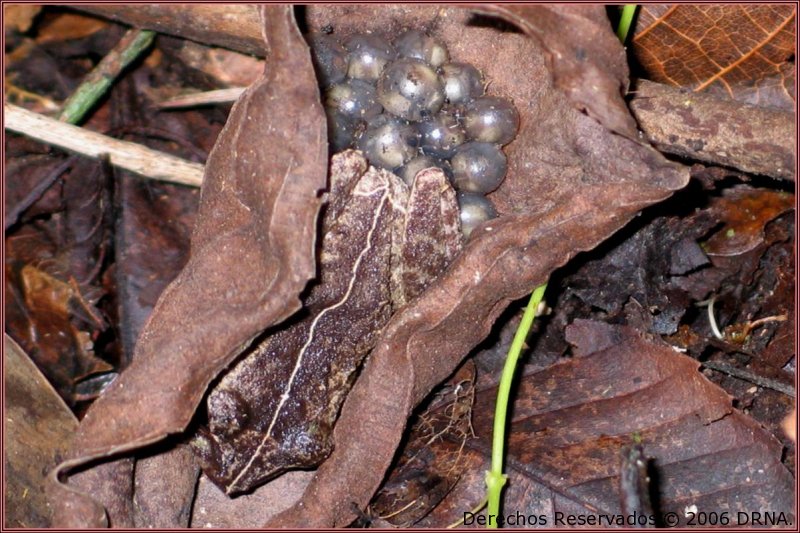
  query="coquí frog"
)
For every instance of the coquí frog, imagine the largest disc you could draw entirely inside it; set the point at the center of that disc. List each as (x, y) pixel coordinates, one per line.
(383, 243)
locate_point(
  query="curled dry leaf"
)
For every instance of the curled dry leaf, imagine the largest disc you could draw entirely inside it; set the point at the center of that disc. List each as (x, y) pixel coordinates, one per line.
(587, 61)
(571, 183)
(234, 26)
(252, 253)
(40, 315)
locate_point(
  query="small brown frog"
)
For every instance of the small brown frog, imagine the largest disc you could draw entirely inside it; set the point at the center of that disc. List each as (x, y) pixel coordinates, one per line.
(383, 244)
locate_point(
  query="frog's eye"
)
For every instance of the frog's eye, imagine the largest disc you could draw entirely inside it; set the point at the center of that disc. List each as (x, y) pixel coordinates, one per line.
(368, 55)
(478, 167)
(388, 142)
(355, 99)
(228, 412)
(329, 57)
(461, 82)
(441, 134)
(491, 119)
(415, 44)
(410, 169)
(475, 209)
(410, 89)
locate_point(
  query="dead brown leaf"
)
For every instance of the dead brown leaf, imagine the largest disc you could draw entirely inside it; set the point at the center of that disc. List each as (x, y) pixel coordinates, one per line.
(742, 51)
(19, 17)
(165, 487)
(36, 427)
(572, 419)
(717, 130)
(214, 508)
(234, 26)
(586, 60)
(68, 26)
(258, 212)
(40, 309)
(149, 252)
(745, 212)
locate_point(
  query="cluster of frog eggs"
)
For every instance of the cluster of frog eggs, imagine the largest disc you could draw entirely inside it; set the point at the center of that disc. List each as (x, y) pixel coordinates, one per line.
(407, 108)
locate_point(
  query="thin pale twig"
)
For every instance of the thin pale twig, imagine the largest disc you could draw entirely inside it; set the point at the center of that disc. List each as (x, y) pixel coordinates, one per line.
(130, 156)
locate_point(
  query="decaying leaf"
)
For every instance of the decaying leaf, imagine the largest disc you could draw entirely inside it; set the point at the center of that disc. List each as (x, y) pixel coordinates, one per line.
(422, 476)
(573, 419)
(653, 268)
(214, 508)
(36, 427)
(745, 212)
(715, 129)
(743, 51)
(257, 212)
(41, 308)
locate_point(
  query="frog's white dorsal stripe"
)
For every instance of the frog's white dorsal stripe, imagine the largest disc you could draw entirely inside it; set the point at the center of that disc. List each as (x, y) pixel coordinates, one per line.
(384, 189)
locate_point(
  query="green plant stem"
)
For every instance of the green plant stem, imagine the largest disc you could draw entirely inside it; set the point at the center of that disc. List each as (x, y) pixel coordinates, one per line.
(98, 81)
(628, 11)
(495, 479)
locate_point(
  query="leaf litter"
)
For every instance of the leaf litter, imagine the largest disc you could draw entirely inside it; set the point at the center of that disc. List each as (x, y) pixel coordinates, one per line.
(572, 419)
(571, 184)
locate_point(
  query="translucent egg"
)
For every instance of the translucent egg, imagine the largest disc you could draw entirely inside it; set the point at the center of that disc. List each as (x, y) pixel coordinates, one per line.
(388, 142)
(354, 98)
(341, 130)
(410, 169)
(329, 57)
(368, 55)
(461, 81)
(478, 167)
(415, 44)
(491, 119)
(441, 134)
(410, 89)
(475, 209)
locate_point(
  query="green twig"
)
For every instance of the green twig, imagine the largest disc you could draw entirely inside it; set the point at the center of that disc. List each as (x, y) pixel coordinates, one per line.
(97, 82)
(625, 20)
(495, 479)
